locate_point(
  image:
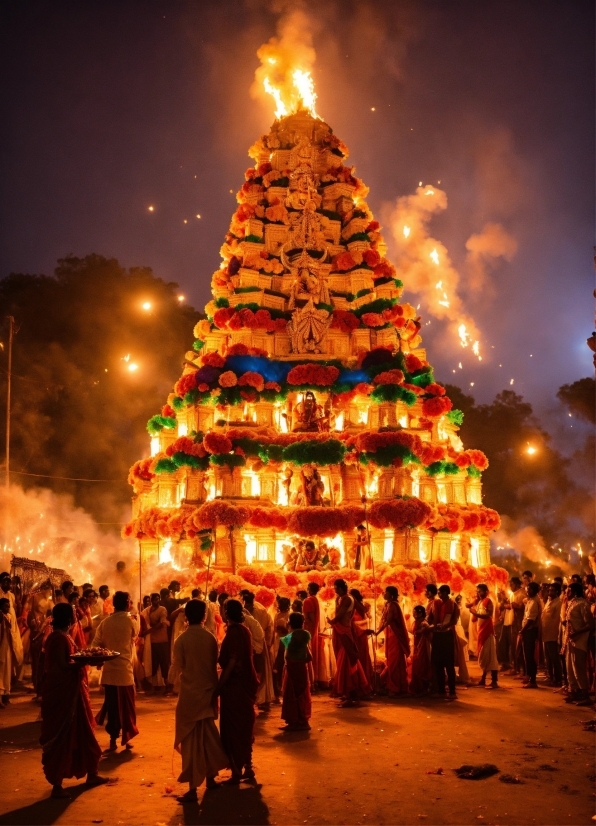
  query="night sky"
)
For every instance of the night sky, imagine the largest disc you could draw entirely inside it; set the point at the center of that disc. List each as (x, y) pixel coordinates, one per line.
(110, 107)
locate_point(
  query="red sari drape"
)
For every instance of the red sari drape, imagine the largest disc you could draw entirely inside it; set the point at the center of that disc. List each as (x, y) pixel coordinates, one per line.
(360, 627)
(397, 650)
(69, 747)
(238, 695)
(421, 665)
(296, 703)
(349, 675)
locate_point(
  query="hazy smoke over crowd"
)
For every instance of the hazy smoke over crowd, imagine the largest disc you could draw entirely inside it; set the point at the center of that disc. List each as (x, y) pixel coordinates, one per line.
(527, 542)
(46, 527)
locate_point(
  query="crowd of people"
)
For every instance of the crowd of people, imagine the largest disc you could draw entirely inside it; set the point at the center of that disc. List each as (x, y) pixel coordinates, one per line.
(229, 657)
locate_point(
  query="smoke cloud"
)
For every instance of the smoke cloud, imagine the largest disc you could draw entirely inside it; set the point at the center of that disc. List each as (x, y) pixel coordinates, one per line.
(528, 542)
(48, 528)
(484, 251)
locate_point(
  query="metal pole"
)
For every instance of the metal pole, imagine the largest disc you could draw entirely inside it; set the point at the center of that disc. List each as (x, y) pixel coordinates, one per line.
(372, 564)
(140, 578)
(8, 391)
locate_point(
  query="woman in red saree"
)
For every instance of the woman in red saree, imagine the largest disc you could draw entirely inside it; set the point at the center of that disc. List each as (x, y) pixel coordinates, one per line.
(69, 747)
(350, 680)
(360, 619)
(397, 644)
(237, 688)
(421, 668)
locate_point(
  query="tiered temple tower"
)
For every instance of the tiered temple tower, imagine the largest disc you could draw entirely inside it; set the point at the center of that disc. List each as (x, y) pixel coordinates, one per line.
(307, 405)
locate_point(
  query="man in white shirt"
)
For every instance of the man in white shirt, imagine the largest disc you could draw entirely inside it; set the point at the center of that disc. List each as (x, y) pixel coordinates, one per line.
(529, 633)
(210, 622)
(551, 623)
(117, 632)
(512, 621)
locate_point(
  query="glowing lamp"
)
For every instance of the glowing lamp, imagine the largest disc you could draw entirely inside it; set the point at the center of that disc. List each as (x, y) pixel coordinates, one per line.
(146, 305)
(531, 450)
(132, 367)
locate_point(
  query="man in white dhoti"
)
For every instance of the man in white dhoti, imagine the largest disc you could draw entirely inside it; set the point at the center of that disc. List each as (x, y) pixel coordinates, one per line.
(263, 666)
(482, 611)
(17, 642)
(6, 656)
(197, 738)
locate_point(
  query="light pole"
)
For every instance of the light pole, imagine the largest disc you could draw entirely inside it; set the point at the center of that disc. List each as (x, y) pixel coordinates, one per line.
(8, 389)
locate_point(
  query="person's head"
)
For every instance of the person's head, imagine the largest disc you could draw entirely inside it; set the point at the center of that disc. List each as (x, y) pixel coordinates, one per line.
(419, 612)
(575, 590)
(146, 601)
(164, 593)
(222, 598)
(5, 605)
(360, 528)
(62, 616)
(527, 577)
(444, 591)
(194, 611)
(296, 621)
(83, 603)
(301, 595)
(233, 609)
(154, 600)
(340, 587)
(5, 581)
(213, 595)
(67, 588)
(430, 592)
(86, 586)
(122, 601)
(104, 591)
(532, 589)
(121, 567)
(297, 606)
(554, 590)
(391, 594)
(284, 604)
(482, 591)
(90, 595)
(73, 598)
(313, 589)
(558, 579)
(249, 598)
(590, 579)
(309, 546)
(515, 583)
(174, 586)
(576, 578)
(195, 593)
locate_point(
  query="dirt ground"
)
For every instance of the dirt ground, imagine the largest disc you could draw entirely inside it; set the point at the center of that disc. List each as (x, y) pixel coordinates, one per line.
(372, 765)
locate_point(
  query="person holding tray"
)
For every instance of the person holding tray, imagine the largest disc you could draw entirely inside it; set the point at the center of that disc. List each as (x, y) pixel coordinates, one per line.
(69, 746)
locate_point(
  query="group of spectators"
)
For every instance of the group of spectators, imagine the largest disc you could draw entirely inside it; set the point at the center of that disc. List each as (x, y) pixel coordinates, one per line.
(234, 652)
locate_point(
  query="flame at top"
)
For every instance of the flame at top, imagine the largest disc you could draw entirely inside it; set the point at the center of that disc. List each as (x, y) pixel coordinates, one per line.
(285, 70)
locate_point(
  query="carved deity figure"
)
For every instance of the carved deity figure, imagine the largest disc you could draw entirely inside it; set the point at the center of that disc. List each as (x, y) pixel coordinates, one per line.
(307, 329)
(312, 486)
(310, 415)
(309, 558)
